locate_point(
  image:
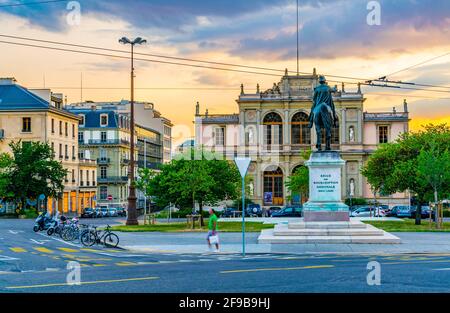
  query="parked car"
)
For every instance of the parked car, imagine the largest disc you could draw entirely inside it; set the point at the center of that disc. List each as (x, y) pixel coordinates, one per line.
(121, 212)
(98, 213)
(289, 211)
(231, 212)
(273, 209)
(104, 211)
(424, 212)
(88, 213)
(368, 211)
(392, 212)
(112, 212)
(254, 210)
(404, 211)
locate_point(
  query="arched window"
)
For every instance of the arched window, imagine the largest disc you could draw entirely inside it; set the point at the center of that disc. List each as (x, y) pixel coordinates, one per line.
(273, 186)
(273, 129)
(334, 135)
(300, 133)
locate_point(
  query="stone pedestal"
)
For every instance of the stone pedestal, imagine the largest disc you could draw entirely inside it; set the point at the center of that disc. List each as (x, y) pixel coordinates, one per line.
(326, 219)
(352, 232)
(325, 203)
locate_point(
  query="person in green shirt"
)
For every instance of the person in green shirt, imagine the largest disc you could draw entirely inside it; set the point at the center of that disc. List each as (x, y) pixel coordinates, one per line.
(212, 230)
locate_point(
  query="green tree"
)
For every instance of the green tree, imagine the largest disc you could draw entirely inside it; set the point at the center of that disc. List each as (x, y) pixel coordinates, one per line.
(298, 182)
(434, 168)
(32, 171)
(399, 166)
(5, 177)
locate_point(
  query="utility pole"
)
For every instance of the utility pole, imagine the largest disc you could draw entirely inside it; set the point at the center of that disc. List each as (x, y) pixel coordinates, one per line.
(132, 211)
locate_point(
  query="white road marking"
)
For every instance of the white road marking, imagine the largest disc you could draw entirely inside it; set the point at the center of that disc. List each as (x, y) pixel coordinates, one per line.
(441, 269)
(7, 258)
(39, 242)
(60, 240)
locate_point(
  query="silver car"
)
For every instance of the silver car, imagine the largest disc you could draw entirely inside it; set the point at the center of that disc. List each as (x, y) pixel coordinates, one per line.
(113, 212)
(366, 212)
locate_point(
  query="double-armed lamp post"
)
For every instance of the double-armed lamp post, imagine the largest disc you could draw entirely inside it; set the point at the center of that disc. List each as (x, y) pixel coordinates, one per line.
(132, 212)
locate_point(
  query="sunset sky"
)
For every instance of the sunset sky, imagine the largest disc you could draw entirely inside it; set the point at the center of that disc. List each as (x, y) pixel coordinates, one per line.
(334, 38)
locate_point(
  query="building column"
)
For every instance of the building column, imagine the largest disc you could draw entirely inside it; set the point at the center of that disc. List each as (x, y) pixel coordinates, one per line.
(360, 127)
(259, 131)
(241, 130)
(286, 129)
(344, 182)
(77, 203)
(359, 188)
(343, 126)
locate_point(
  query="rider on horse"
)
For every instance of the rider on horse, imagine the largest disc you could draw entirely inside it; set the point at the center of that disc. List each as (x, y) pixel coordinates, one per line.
(323, 114)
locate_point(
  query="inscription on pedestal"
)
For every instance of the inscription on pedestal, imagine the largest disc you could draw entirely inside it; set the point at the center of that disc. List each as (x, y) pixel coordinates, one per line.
(325, 184)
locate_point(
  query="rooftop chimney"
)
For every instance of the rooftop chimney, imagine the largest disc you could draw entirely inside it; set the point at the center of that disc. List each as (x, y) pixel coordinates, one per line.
(405, 106)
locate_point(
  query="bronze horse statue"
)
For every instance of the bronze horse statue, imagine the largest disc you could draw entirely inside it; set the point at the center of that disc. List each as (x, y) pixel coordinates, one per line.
(323, 114)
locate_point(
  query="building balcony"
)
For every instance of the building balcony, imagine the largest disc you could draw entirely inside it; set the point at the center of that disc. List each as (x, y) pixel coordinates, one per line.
(103, 161)
(125, 161)
(106, 142)
(87, 162)
(386, 116)
(112, 179)
(149, 165)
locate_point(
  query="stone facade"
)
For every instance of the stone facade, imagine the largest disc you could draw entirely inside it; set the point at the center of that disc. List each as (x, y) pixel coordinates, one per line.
(271, 128)
(39, 115)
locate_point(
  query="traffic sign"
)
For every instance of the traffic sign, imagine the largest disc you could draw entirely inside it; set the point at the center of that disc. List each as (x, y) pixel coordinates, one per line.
(242, 164)
(110, 197)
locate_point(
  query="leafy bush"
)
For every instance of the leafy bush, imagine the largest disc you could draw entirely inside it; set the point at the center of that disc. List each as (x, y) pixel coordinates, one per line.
(30, 213)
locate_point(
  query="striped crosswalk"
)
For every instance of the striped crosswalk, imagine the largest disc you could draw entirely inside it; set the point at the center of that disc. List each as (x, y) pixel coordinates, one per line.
(18, 249)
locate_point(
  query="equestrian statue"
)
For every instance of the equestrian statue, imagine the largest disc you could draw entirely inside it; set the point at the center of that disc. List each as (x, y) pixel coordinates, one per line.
(323, 114)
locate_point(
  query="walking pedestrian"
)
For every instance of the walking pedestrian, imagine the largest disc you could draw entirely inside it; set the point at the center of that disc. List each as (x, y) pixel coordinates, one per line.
(212, 237)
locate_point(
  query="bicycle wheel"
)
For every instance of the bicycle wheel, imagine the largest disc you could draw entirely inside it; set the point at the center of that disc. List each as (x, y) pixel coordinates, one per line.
(88, 238)
(68, 234)
(111, 240)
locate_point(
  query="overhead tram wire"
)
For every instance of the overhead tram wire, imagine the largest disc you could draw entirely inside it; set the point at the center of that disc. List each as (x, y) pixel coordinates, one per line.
(196, 65)
(418, 64)
(138, 59)
(221, 88)
(170, 57)
(6, 5)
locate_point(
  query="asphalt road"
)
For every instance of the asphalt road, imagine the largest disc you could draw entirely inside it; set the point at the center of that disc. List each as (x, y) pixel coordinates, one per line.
(31, 262)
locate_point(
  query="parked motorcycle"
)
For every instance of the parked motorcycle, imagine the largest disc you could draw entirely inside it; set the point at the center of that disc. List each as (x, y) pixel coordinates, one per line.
(57, 225)
(42, 222)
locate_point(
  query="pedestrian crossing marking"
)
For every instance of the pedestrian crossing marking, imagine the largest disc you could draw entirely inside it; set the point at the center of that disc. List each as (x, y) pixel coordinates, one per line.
(68, 250)
(126, 264)
(42, 249)
(18, 250)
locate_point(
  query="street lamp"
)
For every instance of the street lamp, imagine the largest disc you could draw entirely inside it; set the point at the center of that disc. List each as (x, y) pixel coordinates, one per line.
(132, 213)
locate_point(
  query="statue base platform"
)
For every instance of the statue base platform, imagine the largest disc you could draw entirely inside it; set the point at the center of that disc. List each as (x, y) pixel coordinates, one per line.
(337, 232)
(325, 188)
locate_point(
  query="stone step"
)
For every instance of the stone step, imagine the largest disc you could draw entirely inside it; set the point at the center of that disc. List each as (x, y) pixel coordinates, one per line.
(267, 236)
(326, 225)
(369, 231)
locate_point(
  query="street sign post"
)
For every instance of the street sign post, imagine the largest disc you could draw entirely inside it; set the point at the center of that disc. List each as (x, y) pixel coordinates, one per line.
(242, 164)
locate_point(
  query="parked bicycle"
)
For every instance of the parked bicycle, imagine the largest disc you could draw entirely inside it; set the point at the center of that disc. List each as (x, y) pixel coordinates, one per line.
(93, 236)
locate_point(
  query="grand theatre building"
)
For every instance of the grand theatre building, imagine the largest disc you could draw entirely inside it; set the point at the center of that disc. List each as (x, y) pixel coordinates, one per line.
(271, 127)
